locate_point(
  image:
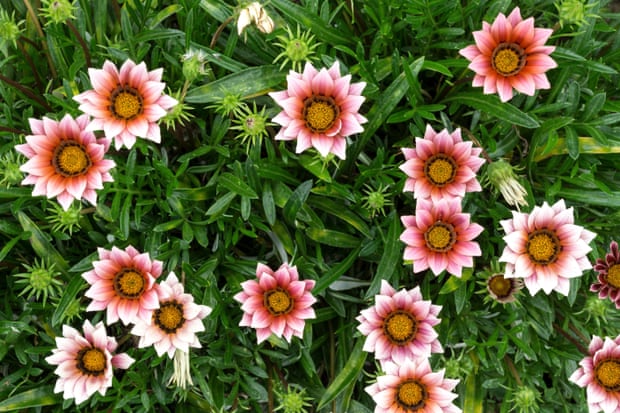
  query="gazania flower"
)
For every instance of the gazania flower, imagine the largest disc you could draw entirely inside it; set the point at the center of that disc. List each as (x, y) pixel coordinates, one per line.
(122, 283)
(277, 302)
(320, 109)
(441, 166)
(65, 160)
(510, 53)
(502, 289)
(400, 325)
(440, 237)
(126, 103)
(175, 323)
(545, 248)
(600, 374)
(608, 284)
(85, 362)
(413, 387)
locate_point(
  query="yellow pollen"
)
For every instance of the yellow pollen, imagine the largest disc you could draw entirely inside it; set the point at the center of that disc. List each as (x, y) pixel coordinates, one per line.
(169, 316)
(71, 159)
(126, 103)
(400, 327)
(613, 276)
(278, 301)
(129, 283)
(500, 286)
(543, 247)
(91, 361)
(607, 374)
(508, 59)
(440, 237)
(411, 395)
(440, 169)
(320, 113)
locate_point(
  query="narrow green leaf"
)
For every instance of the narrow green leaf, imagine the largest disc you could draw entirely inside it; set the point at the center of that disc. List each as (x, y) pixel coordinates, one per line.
(391, 258)
(340, 211)
(75, 285)
(316, 167)
(40, 244)
(37, 397)
(164, 14)
(594, 106)
(332, 238)
(572, 142)
(493, 106)
(220, 206)
(296, 201)
(236, 185)
(347, 376)
(336, 272)
(586, 145)
(269, 205)
(9, 245)
(168, 226)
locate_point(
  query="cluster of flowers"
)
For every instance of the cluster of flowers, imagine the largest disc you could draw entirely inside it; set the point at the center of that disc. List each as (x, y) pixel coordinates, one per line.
(123, 283)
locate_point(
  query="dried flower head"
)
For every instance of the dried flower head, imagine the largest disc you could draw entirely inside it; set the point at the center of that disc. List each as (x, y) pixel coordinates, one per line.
(503, 178)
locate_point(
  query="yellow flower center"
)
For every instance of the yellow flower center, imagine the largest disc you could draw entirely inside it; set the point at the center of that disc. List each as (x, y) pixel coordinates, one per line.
(91, 361)
(508, 59)
(440, 237)
(543, 246)
(400, 327)
(440, 169)
(320, 113)
(499, 286)
(412, 395)
(169, 316)
(607, 374)
(126, 103)
(71, 159)
(613, 276)
(129, 283)
(278, 301)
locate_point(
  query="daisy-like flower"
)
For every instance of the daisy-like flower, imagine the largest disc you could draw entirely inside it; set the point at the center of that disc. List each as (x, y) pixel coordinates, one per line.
(510, 53)
(85, 362)
(440, 237)
(600, 374)
(320, 109)
(502, 289)
(65, 160)
(126, 103)
(400, 325)
(277, 302)
(545, 248)
(412, 387)
(608, 284)
(122, 283)
(175, 323)
(441, 166)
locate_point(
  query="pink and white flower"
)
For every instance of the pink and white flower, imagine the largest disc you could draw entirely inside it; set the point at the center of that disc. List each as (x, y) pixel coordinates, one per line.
(608, 279)
(321, 108)
(277, 302)
(85, 362)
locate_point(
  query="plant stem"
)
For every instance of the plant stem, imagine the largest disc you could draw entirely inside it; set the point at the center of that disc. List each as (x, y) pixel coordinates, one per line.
(80, 39)
(26, 92)
(35, 21)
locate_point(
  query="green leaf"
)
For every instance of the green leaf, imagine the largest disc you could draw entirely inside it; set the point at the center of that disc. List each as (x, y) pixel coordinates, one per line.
(493, 106)
(594, 106)
(221, 205)
(332, 238)
(9, 245)
(269, 205)
(296, 201)
(76, 284)
(342, 212)
(391, 258)
(236, 185)
(347, 376)
(37, 397)
(40, 243)
(336, 272)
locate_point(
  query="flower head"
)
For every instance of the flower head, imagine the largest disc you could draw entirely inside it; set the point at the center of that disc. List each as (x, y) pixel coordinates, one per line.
(440, 237)
(600, 374)
(608, 280)
(126, 103)
(122, 283)
(182, 376)
(65, 220)
(502, 176)
(546, 248)
(57, 11)
(502, 289)
(441, 166)
(510, 53)
(320, 109)
(175, 323)
(413, 387)
(41, 279)
(400, 325)
(65, 160)
(298, 48)
(257, 15)
(85, 362)
(251, 124)
(277, 302)
(10, 31)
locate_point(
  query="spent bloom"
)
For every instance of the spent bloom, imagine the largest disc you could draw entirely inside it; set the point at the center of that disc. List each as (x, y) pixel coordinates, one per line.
(175, 323)
(503, 178)
(277, 302)
(502, 289)
(545, 248)
(126, 103)
(413, 387)
(65, 160)
(441, 166)
(320, 109)
(85, 362)
(257, 15)
(123, 283)
(599, 373)
(440, 237)
(400, 325)
(608, 279)
(510, 54)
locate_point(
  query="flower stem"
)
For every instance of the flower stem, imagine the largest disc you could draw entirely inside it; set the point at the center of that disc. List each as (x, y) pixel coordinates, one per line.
(219, 30)
(26, 92)
(513, 369)
(80, 39)
(570, 338)
(35, 21)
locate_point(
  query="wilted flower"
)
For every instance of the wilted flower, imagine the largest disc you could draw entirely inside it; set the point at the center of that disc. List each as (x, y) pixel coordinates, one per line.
(510, 53)
(254, 14)
(85, 362)
(503, 178)
(502, 289)
(182, 376)
(608, 279)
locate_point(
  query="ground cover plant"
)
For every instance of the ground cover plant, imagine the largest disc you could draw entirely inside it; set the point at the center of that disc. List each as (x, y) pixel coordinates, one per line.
(309, 206)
